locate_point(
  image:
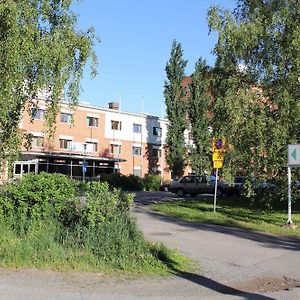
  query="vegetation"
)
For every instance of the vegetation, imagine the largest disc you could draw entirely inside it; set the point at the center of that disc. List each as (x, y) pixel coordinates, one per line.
(44, 224)
(40, 49)
(152, 182)
(199, 107)
(250, 97)
(233, 212)
(175, 98)
(127, 183)
(256, 85)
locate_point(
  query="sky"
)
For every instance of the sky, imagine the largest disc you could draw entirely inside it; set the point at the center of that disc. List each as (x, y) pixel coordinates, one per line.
(135, 45)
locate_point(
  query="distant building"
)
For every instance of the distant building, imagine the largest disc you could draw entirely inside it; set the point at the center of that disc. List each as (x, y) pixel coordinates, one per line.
(95, 140)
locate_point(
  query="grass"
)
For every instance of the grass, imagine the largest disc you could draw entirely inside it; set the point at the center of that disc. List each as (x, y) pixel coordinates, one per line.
(114, 249)
(44, 224)
(230, 211)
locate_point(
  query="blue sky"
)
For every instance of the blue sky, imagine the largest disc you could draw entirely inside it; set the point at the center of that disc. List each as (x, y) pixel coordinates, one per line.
(136, 38)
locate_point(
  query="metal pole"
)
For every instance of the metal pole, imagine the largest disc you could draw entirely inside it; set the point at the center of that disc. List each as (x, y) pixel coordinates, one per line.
(142, 124)
(161, 142)
(289, 222)
(216, 186)
(83, 166)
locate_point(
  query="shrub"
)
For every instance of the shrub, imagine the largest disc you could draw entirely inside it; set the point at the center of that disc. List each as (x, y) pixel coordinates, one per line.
(102, 204)
(45, 224)
(127, 183)
(152, 182)
(36, 197)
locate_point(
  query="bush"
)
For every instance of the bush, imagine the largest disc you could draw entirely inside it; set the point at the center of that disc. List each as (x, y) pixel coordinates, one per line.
(102, 204)
(46, 224)
(152, 182)
(126, 183)
(36, 197)
(275, 196)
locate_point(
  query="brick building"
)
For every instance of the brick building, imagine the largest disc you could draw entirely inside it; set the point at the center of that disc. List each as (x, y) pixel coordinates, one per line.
(92, 140)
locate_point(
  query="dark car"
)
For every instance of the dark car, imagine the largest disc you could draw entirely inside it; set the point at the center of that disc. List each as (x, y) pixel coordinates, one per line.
(197, 184)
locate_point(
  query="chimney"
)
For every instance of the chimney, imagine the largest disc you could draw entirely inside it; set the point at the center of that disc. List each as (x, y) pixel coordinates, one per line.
(113, 105)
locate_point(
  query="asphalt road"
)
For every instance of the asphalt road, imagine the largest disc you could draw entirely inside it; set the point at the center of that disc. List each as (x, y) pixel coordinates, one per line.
(233, 264)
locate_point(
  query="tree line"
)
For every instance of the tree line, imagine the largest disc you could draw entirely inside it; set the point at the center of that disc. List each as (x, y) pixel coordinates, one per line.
(250, 97)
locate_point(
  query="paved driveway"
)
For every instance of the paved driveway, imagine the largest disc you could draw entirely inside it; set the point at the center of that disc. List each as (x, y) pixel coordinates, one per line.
(229, 257)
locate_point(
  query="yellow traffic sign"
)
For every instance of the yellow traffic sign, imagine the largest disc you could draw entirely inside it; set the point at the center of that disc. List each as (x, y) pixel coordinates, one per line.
(218, 164)
(218, 156)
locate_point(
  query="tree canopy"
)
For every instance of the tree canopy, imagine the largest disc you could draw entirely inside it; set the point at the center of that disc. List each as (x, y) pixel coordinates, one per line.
(199, 111)
(40, 49)
(256, 84)
(175, 98)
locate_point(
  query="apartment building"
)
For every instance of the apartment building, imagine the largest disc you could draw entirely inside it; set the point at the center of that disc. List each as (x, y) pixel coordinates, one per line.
(93, 140)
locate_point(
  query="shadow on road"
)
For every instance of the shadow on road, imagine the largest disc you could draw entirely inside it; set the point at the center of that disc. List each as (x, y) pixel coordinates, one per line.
(218, 287)
(268, 240)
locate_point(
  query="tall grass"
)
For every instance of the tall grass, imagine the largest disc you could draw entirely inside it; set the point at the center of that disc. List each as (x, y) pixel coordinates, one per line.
(98, 235)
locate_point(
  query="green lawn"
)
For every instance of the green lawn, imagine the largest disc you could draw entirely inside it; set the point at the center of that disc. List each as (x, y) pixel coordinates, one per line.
(230, 213)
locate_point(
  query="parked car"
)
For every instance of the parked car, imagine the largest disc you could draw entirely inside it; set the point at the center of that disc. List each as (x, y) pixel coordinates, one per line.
(257, 184)
(196, 184)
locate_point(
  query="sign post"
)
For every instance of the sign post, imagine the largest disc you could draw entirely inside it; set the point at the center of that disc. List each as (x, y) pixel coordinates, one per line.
(218, 159)
(289, 222)
(216, 188)
(84, 164)
(293, 161)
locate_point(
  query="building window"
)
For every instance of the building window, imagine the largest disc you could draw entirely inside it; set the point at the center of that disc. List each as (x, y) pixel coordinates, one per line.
(137, 128)
(92, 122)
(65, 144)
(115, 149)
(156, 153)
(116, 125)
(136, 151)
(137, 172)
(37, 142)
(157, 131)
(37, 113)
(93, 146)
(65, 118)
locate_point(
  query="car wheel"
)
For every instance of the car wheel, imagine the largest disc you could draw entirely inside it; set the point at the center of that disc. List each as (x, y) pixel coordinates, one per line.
(180, 193)
(220, 192)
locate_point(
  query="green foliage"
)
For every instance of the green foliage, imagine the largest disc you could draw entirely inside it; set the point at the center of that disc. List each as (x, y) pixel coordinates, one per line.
(102, 205)
(198, 112)
(152, 182)
(43, 224)
(40, 48)
(256, 85)
(175, 97)
(127, 183)
(36, 197)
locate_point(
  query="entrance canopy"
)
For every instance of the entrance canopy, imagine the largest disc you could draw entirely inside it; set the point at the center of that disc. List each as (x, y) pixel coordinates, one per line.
(65, 163)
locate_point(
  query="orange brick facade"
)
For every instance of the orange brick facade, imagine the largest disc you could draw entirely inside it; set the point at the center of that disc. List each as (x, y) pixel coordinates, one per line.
(127, 142)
